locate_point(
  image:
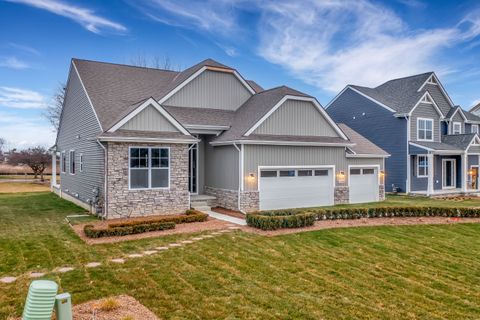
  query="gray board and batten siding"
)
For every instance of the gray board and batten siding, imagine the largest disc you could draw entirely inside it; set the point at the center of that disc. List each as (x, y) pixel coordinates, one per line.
(149, 119)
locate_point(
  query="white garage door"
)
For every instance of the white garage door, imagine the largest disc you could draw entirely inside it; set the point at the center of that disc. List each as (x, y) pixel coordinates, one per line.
(295, 188)
(363, 185)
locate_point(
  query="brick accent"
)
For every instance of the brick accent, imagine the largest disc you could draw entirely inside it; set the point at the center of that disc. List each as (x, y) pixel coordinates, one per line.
(341, 195)
(123, 202)
(381, 193)
(226, 198)
(249, 201)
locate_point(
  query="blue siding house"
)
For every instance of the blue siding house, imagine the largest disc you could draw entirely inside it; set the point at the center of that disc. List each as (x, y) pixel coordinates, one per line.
(434, 145)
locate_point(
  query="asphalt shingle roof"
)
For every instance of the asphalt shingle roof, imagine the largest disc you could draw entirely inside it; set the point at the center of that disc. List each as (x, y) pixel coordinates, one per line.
(362, 144)
(437, 146)
(460, 141)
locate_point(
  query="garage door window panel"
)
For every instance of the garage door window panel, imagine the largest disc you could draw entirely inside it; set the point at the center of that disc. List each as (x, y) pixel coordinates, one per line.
(269, 174)
(304, 173)
(319, 173)
(287, 173)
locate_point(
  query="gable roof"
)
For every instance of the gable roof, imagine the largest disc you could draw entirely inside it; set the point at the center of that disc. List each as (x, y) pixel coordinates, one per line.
(475, 108)
(362, 146)
(116, 90)
(460, 141)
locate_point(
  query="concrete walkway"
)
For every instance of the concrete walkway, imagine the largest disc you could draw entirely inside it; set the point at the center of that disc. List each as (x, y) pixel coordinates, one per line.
(225, 217)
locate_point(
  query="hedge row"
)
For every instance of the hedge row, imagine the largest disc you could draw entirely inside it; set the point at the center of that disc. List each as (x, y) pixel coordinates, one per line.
(297, 218)
(92, 232)
(144, 225)
(273, 220)
(189, 216)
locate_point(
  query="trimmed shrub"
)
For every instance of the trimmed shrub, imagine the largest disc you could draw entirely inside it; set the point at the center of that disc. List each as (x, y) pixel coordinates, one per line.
(273, 220)
(188, 217)
(92, 232)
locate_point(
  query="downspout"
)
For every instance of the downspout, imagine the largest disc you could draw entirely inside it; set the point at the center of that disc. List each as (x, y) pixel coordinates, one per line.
(407, 186)
(240, 175)
(105, 185)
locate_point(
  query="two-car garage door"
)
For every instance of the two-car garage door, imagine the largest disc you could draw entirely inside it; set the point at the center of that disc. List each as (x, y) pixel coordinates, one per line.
(296, 188)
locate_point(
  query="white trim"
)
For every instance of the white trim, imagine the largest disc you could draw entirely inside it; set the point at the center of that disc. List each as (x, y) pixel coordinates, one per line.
(297, 98)
(418, 166)
(356, 166)
(206, 127)
(418, 129)
(105, 178)
(442, 89)
(240, 175)
(63, 162)
(363, 95)
(471, 127)
(86, 93)
(427, 95)
(190, 178)
(143, 139)
(454, 173)
(242, 168)
(409, 169)
(145, 104)
(196, 74)
(260, 168)
(474, 142)
(478, 177)
(453, 127)
(282, 143)
(80, 162)
(70, 162)
(367, 155)
(461, 113)
(150, 167)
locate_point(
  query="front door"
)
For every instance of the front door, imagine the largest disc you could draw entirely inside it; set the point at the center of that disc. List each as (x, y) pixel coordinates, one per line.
(474, 172)
(449, 174)
(193, 168)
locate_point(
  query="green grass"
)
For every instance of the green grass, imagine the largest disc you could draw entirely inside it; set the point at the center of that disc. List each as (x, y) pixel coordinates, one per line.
(408, 272)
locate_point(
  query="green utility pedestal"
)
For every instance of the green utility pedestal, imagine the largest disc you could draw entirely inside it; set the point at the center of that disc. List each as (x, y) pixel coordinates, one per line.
(63, 306)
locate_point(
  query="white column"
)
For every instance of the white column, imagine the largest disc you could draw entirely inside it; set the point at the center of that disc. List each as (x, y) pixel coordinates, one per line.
(430, 174)
(53, 179)
(464, 171)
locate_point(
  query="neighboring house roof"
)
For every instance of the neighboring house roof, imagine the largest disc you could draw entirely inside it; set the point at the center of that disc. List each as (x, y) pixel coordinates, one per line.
(399, 94)
(362, 146)
(116, 90)
(475, 108)
(254, 109)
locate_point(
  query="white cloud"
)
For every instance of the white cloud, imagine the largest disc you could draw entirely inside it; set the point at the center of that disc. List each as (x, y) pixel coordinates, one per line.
(21, 98)
(21, 132)
(84, 16)
(13, 63)
(24, 48)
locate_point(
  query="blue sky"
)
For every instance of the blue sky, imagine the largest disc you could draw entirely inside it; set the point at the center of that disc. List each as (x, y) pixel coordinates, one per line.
(314, 46)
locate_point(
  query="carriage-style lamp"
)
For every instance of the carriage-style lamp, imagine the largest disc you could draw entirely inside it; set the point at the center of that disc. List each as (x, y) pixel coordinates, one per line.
(251, 176)
(382, 173)
(341, 176)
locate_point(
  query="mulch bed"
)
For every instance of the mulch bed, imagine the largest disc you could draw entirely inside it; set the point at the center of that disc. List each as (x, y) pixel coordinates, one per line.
(364, 222)
(209, 225)
(228, 212)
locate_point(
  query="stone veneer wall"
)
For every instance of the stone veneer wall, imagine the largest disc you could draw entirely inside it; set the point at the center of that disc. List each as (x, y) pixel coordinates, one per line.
(226, 198)
(249, 201)
(123, 202)
(341, 195)
(381, 192)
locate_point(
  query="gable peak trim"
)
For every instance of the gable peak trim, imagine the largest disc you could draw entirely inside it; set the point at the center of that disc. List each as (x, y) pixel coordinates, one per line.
(434, 78)
(427, 96)
(297, 98)
(144, 105)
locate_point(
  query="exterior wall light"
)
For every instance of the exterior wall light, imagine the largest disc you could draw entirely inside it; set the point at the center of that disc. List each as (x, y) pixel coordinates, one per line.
(341, 177)
(251, 176)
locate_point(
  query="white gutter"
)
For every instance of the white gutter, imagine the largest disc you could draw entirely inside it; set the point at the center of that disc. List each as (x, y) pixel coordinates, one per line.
(141, 139)
(105, 185)
(240, 175)
(283, 143)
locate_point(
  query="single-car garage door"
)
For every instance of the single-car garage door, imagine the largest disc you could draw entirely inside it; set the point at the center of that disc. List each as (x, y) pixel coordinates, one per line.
(363, 185)
(296, 188)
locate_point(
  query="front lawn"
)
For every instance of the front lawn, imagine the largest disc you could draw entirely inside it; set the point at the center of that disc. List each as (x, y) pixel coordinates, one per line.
(409, 272)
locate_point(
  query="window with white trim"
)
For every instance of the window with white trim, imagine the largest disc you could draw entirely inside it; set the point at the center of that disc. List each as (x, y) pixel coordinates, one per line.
(80, 162)
(63, 162)
(149, 168)
(457, 128)
(72, 161)
(422, 166)
(474, 128)
(425, 129)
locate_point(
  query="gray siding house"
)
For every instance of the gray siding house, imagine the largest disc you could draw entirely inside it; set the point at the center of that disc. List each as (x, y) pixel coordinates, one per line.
(138, 141)
(434, 145)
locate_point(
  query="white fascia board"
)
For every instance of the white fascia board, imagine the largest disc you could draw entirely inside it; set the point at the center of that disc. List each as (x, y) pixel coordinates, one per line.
(206, 127)
(461, 113)
(159, 108)
(144, 139)
(368, 155)
(336, 97)
(433, 103)
(476, 139)
(86, 93)
(297, 98)
(440, 85)
(371, 99)
(420, 146)
(282, 143)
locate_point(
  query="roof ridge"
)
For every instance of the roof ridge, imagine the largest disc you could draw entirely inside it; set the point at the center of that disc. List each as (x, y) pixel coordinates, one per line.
(403, 78)
(124, 65)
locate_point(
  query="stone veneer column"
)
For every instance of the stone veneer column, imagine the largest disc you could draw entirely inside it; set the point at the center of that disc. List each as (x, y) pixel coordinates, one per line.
(381, 192)
(341, 195)
(123, 202)
(249, 201)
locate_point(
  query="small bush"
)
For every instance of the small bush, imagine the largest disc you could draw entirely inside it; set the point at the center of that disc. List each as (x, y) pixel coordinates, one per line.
(109, 304)
(92, 232)
(188, 217)
(273, 220)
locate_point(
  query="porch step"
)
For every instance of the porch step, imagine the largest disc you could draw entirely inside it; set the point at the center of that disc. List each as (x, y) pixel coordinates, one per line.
(202, 208)
(202, 197)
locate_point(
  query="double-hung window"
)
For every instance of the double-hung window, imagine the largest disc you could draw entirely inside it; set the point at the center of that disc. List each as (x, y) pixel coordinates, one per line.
(80, 162)
(422, 166)
(63, 162)
(457, 128)
(425, 129)
(474, 128)
(72, 161)
(149, 168)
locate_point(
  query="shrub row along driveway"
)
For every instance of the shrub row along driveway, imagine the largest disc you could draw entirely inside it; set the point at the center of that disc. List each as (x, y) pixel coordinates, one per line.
(428, 272)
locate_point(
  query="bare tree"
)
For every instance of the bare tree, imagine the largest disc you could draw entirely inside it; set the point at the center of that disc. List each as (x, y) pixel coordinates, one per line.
(36, 158)
(156, 62)
(2, 145)
(54, 109)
